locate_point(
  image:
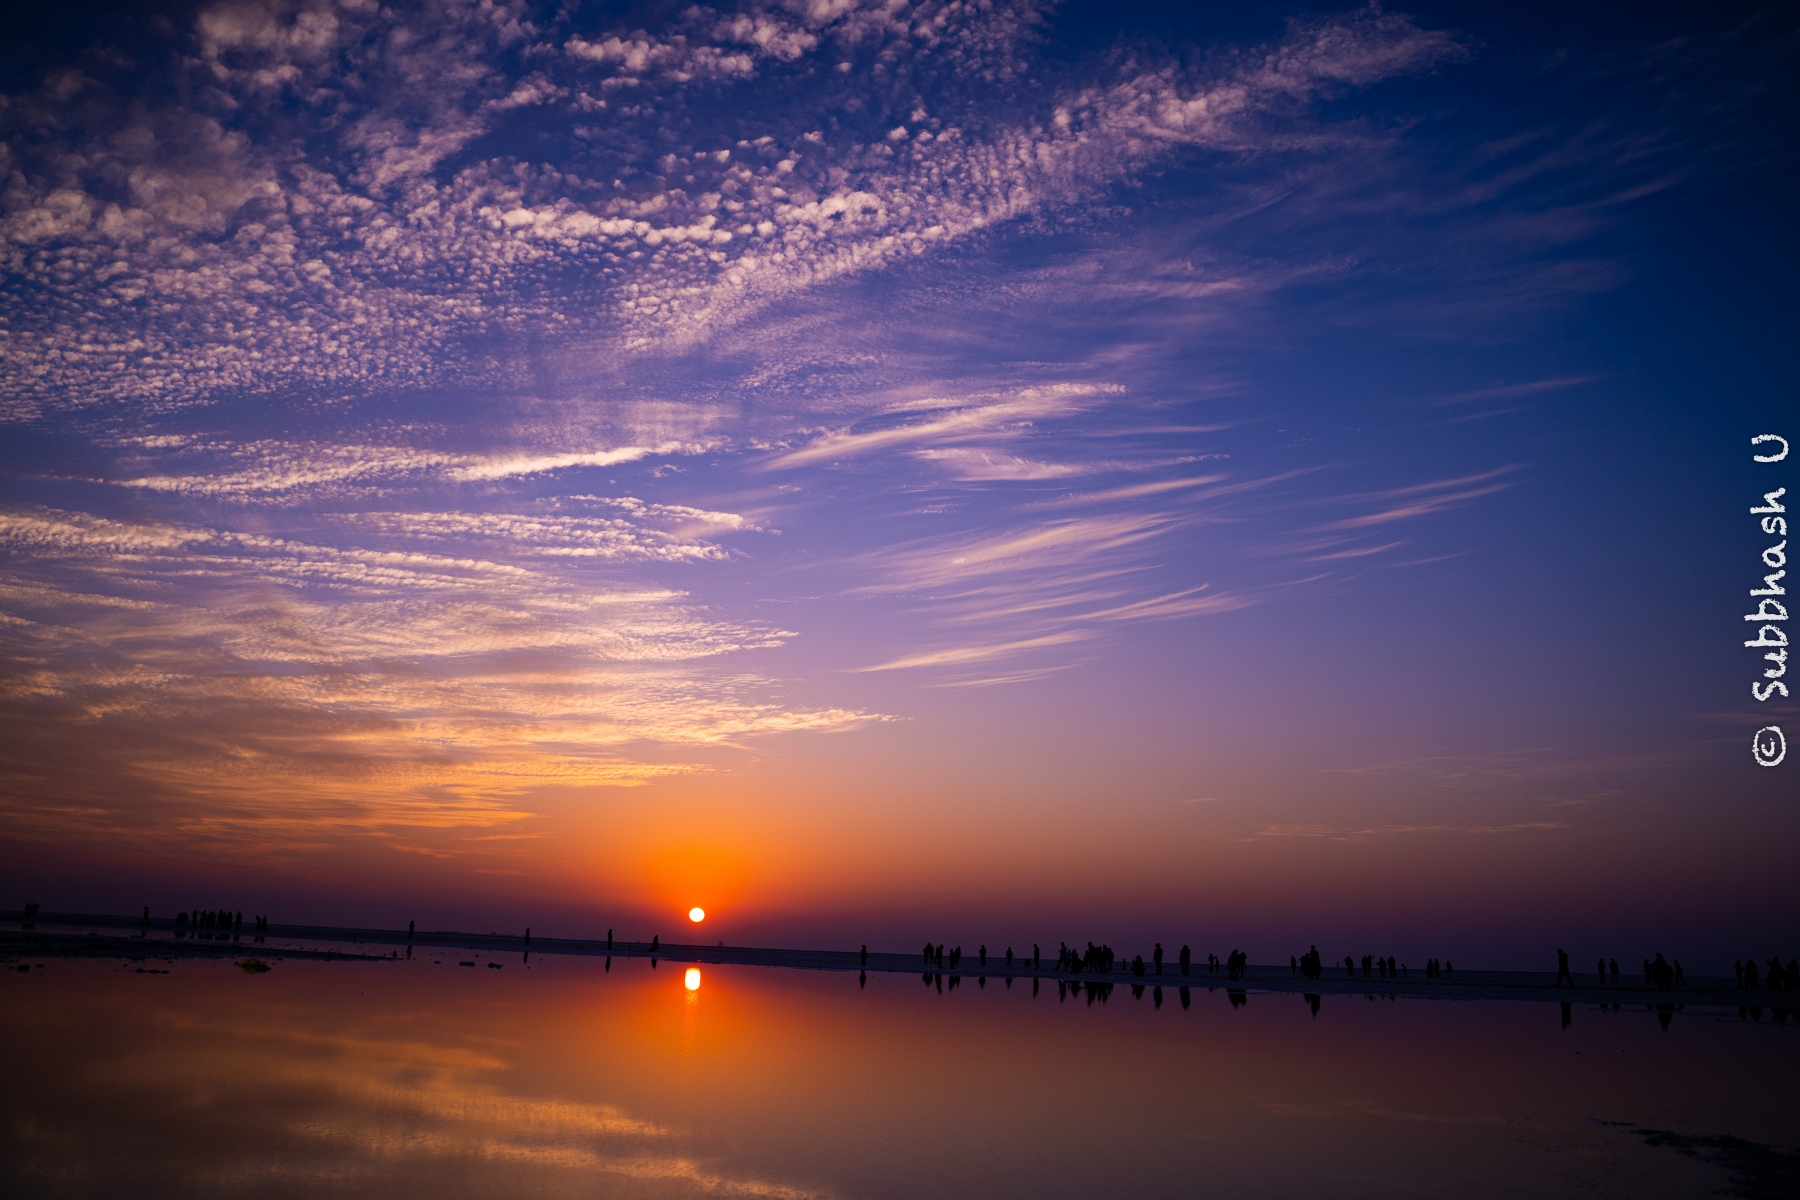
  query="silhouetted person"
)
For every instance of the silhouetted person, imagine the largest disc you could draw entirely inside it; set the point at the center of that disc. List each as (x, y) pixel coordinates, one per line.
(146, 914)
(1037, 962)
(1187, 956)
(1661, 973)
(1009, 957)
(1601, 970)
(655, 943)
(1157, 956)
(865, 957)
(983, 954)
(409, 929)
(1562, 969)
(1449, 969)
(928, 949)
(1750, 979)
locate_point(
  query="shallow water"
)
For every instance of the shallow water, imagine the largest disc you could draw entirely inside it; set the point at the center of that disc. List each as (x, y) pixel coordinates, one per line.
(558, 1077)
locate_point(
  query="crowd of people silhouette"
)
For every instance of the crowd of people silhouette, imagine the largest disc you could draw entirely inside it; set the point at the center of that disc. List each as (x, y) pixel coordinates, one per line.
(1776, 979)
(213, 922)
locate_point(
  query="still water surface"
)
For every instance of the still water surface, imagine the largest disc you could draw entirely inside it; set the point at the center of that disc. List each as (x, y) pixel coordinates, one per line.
(560, 1078)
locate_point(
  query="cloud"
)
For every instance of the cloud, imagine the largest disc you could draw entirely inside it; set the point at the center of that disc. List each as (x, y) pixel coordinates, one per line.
(339, 212)
(315, 688)
(961, 655)
(1359, 836)
(270, 467)
(1038, 549)
(1425, 499)
(988, 420)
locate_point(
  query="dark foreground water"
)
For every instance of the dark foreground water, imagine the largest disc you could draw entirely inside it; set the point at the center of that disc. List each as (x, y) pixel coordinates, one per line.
(559, 1078)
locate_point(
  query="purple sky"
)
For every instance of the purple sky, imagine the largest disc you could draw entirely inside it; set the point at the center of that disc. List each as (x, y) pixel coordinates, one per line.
(873, 469)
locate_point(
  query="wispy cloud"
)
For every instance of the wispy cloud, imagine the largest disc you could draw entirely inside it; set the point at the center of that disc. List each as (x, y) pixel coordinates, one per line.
(1424, 499)
(1356, 836)
(1510, 391)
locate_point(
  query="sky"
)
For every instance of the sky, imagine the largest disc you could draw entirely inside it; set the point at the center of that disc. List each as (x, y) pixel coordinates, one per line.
(1249, 475)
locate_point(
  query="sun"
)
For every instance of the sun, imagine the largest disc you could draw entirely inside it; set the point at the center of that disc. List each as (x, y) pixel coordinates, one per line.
(696, 914)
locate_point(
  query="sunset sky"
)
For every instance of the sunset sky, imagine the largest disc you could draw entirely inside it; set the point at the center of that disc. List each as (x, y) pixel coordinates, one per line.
(1249, 475)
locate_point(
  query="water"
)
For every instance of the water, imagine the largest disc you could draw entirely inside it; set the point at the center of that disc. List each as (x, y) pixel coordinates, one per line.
(560, 1078)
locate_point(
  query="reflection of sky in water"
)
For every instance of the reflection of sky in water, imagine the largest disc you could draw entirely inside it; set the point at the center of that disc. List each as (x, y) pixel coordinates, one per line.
(561, 1078)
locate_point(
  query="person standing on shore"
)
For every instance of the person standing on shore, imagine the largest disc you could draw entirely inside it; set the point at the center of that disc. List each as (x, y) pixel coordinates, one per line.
(1562, 968)
(1187, 956)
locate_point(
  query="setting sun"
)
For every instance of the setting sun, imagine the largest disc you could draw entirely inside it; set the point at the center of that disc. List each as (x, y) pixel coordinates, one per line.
(696, 915)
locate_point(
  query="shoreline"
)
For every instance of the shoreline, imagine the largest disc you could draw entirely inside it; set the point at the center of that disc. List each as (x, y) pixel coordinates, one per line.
(73, 935)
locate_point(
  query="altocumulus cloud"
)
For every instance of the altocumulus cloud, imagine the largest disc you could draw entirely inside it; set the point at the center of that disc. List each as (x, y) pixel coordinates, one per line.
(329, 210)
(364, 621)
